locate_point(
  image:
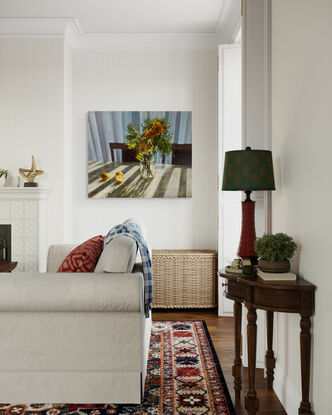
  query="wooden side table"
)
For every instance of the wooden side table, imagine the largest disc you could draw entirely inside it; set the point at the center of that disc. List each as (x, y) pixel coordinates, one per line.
(7, 266)
(280, 296)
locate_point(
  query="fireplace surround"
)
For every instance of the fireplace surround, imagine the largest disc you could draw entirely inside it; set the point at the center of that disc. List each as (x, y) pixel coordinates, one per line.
(26, 210)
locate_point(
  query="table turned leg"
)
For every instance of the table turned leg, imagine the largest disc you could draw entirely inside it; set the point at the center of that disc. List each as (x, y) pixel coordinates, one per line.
(251, 401)
(305, 343)
(270, 360)
(237, 366)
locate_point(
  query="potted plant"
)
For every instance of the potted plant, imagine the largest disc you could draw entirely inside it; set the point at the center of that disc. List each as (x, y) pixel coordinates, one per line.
(3, 176)
(274, 252)
(155, 136)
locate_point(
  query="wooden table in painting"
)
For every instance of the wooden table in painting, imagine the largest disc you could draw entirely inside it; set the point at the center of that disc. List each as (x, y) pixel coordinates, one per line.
(170, 180)
(281, 296)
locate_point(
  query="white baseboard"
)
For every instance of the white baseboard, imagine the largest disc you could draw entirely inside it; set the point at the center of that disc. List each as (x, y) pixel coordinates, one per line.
(288, 395)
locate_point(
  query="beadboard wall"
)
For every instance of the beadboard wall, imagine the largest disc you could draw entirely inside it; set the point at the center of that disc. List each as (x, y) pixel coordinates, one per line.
(32, 116)
(47, 90)
(149, 80)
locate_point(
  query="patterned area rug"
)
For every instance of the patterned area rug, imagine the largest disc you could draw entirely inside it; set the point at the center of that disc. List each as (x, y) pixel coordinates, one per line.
(184, 377)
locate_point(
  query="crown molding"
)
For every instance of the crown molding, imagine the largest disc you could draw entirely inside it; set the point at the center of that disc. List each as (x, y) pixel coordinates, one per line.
(69, 29)
(221, 16)
(229, 22)
(146, 41)
(36, 26)
(73, 33)
(238, 37)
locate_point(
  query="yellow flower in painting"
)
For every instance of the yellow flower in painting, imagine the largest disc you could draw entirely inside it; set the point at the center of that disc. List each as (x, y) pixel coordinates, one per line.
(156, 130)
(157, 127)
(144, 147)
(149, 133)
(139, 156)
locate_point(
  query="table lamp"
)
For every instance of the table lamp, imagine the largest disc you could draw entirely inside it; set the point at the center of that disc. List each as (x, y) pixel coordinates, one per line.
(248, 170)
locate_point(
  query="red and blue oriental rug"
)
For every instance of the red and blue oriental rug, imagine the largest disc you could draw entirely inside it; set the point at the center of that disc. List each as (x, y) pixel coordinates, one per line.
(184, 377)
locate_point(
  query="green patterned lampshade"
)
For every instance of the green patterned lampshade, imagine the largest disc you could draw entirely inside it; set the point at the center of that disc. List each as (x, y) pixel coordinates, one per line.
(248, 170)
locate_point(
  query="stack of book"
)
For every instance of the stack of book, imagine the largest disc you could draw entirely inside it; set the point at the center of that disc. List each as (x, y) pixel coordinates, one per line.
(276, 276)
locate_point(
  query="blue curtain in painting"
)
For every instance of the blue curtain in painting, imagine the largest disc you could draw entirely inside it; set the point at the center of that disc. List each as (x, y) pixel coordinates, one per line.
(110, 127)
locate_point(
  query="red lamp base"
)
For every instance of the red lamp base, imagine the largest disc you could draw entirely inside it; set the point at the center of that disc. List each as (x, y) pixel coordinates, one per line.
(248, 234)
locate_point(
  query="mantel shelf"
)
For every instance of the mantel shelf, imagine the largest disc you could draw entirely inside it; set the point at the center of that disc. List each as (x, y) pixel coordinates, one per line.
(23, 193)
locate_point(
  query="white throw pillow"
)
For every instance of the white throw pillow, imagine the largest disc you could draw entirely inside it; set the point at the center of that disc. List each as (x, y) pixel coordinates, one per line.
(119, 255)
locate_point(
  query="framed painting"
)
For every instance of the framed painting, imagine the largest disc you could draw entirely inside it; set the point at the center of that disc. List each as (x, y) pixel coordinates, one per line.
(139, 154)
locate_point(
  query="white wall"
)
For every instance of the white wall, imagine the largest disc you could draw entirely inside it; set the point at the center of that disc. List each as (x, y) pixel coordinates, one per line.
(230, 138)
(302, 144)
(32, 115)
(253, 48)
(68, 143)
(256, 126)
(150, 80)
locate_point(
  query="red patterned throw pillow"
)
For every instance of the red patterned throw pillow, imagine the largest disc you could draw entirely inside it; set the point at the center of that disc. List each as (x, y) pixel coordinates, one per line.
(83, 258)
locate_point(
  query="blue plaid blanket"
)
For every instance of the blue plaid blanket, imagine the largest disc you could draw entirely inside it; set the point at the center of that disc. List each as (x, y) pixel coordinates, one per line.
(132, 230)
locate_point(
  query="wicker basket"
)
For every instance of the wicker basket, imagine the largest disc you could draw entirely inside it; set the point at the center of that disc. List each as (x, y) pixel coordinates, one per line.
(184, 278)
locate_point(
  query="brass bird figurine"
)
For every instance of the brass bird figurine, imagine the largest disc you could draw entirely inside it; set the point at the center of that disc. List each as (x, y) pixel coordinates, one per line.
(30, 174)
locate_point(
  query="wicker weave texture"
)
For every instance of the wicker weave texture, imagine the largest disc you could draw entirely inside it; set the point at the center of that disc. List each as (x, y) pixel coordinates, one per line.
(184, 278)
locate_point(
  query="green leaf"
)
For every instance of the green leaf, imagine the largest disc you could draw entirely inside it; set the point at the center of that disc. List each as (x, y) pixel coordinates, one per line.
(277, 247)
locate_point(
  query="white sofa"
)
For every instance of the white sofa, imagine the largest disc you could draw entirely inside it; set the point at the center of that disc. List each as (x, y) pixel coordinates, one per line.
(72, 338)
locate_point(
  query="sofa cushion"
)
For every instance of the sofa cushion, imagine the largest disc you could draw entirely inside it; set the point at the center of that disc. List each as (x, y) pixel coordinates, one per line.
(119, 255)
(84, 257)
(67, 292)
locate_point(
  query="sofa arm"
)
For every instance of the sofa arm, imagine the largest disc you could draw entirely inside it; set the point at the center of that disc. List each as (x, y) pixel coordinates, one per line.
(71, 292)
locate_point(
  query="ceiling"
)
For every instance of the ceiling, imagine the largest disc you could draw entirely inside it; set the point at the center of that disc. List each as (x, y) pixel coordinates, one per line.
(124, 16)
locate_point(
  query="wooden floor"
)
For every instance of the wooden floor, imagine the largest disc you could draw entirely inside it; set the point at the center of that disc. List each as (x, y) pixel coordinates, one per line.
(221, 331)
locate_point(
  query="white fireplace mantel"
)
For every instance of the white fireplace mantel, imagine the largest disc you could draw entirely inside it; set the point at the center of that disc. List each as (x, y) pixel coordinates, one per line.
(24, 193)
(26, 209)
